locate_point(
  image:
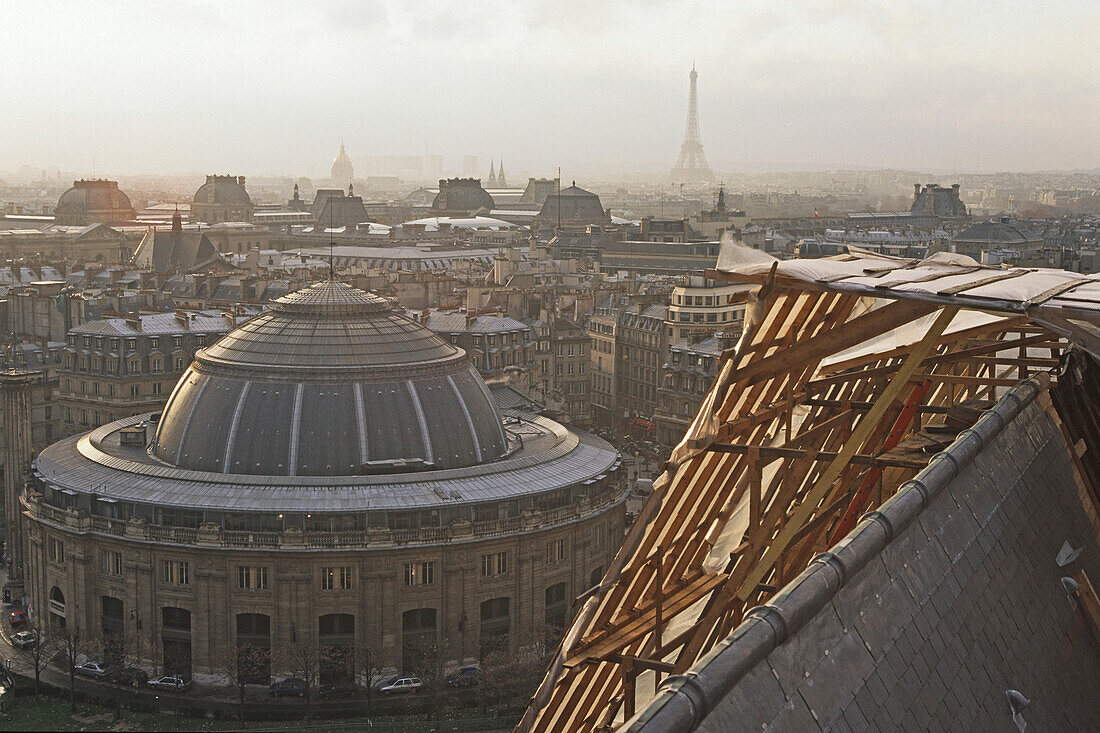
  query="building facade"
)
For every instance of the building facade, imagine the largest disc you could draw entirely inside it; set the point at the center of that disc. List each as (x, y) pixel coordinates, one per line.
(330, 475)
(117, 367)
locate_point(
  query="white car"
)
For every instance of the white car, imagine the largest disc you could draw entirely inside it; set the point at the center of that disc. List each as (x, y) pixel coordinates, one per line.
(169, 682)
(24, 640)
(402, 685)
(92, 669)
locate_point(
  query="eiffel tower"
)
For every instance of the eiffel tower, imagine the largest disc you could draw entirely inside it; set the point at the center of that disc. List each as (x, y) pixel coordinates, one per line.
(691, 167)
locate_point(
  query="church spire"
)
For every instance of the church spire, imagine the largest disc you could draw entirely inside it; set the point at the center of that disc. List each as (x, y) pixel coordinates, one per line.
(502, 182)
(492, 182)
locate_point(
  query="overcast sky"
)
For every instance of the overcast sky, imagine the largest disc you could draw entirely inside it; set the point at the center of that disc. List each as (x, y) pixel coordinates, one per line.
(272, 87)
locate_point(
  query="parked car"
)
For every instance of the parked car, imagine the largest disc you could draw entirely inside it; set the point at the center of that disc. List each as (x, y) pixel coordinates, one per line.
(25, 640)
(128, 677)
(345, 691)
(170, 682)
(17, 618)
(465, 677)
(290, 687)
(97, 670)
(402, 686)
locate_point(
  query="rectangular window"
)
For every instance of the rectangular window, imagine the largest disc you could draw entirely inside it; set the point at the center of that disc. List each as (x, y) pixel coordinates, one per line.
(155, 365)
(419, 573)
(177, 341)
(179, 364)
(111, 563)
(135, 390)
(175, 572)
(154, 342)
(200, 339)
(336, 578)
(131, 344)
(55, 549)
(495, 563)
(251, 577)
(555, 551)
(158, 388)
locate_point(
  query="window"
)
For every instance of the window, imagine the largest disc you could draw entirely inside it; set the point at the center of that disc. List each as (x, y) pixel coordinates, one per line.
(131, 344)
(114, 344)
(134, 366)
(555, 551)
(177, 341)
(135, 390)
(336, 578)
(111, 562)
(251, 577)
(598, 534)
(158, 388)
(55, 550)
(155, 365)
(495, 563)
(179, 364)
(154, 343)
(175, 572)
(419, 573)
(200, 339)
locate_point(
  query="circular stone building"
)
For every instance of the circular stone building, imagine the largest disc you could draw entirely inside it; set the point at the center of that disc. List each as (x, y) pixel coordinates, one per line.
(93, 201)
(329, 475)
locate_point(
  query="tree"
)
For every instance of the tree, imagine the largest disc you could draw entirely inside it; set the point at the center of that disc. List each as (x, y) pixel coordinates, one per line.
(39, 654)
(242, 664)
(368, 665)
(302, 660)
(72, 644)
(122, 652)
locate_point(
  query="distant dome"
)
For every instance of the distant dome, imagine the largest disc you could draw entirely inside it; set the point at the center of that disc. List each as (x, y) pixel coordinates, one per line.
(462, 195)
(220, 199)
(343, 173)
(330, 381)
(92, 201)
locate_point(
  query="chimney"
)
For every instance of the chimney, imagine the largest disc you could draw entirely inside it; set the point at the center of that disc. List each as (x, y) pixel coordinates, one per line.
(240, 180)
(916, 190)
(133, 320)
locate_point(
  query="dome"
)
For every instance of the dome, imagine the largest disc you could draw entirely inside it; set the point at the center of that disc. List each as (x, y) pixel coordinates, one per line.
(331, 381)
(223, 190)
(93, 201)
(342, 170)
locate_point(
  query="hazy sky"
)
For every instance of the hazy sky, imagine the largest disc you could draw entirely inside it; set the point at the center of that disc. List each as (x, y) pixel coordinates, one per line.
(272, 87)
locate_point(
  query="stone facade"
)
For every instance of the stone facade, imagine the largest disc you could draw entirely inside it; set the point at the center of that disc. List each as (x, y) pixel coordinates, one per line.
(296, 566)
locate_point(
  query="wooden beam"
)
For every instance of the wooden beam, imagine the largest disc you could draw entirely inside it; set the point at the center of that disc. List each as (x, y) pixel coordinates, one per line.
(776, 453)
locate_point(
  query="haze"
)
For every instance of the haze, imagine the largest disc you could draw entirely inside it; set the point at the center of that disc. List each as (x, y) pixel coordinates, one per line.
(601, 87)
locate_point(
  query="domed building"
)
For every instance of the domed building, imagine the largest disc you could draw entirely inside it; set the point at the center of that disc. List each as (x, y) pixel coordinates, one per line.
(461, 197)
(220, 199)
(343, 173)
(329, 474)
(93, 202)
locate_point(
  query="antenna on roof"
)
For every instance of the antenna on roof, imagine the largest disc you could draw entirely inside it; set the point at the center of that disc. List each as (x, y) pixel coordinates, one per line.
(331, 276)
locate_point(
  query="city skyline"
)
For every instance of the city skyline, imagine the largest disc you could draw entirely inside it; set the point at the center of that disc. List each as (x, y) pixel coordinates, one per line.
(782, 87)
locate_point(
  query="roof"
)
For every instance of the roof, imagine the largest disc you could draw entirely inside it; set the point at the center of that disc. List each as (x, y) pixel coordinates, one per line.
(329, 380)
(460, 322)
(1067, 302)
(927, 611)
(154, 324)
(165, 251)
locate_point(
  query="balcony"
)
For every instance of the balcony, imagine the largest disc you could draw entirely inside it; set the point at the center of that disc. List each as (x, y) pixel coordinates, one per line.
(211, 535)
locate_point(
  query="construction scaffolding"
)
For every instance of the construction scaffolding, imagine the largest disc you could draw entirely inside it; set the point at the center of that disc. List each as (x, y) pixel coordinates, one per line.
(852, 372)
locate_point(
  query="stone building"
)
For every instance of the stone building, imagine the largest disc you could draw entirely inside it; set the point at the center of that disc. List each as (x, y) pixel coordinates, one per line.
(571, 207)
(641, 346)
(602, 330)
(701, 307)
(686, 378)
(936, 200)
(92, 202)
(562, 375)
(221, 198)
(331, 475)
(495, 343)
(461, 197)
(117, 367)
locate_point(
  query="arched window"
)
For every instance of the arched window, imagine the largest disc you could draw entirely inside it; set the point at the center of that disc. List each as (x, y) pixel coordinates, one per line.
(57, 608)
(557, 605)
(419, 640)
(336, 638)
(175, 635)
(496, 625)
(254, 647)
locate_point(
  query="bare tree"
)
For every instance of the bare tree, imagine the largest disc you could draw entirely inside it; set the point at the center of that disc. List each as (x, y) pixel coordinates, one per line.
(303, 660)
(122, 652)
(242, 664)
(45, 643)
(72, 644)
(368, 664)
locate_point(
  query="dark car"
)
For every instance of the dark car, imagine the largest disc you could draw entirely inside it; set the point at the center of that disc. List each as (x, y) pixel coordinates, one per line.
(128, 677)
(345, 691)
(17, 618)
(465, 677)
(290, 687)
(97, 670)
